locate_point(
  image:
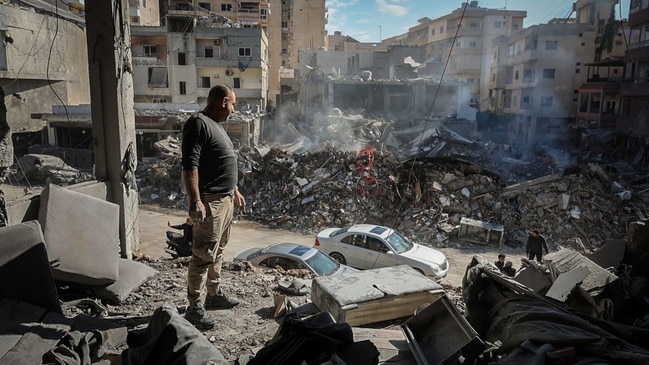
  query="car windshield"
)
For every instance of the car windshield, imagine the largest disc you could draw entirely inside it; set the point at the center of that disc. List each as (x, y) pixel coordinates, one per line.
(322, 264)
(399, 243)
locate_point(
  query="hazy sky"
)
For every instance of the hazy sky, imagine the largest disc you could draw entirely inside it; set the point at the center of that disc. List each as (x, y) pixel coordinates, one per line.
(373, 20)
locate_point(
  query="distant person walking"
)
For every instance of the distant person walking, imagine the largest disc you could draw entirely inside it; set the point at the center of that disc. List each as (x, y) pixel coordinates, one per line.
(535, 246)
(210, 172)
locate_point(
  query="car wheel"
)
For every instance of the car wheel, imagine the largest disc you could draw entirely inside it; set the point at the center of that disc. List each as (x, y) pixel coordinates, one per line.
(338, 257)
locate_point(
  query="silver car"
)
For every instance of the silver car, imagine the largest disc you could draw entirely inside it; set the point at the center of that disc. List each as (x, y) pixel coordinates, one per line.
(367, 246)
(292, 256)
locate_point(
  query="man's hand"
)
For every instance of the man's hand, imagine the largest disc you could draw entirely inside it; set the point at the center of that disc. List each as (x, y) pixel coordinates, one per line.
(197, 211)
(239, 200)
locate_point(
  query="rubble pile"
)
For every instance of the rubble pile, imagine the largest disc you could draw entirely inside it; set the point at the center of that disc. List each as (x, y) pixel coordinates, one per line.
(424, 198)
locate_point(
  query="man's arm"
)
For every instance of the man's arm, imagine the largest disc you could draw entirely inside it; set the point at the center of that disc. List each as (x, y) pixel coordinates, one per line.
(196, 207)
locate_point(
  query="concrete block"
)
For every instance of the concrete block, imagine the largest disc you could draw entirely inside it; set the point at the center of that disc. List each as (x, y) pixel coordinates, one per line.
(82, 234)
(565, 282)
(25, 268)
(533, 279)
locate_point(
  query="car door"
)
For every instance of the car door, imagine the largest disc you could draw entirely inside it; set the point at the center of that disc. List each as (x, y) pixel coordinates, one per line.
(378, 254)
(352, 248)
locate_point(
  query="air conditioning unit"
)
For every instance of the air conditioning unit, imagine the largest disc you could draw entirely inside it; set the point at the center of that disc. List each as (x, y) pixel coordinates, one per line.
(229, 72)
(217, 42)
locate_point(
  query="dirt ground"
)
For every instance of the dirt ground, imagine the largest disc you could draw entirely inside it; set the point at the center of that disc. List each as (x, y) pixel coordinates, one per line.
(245, 329)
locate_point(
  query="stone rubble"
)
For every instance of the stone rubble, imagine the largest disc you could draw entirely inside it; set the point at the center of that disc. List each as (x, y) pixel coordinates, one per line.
(422, 197)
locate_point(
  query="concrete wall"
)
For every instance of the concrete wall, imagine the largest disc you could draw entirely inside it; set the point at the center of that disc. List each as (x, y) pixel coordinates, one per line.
(27, 70)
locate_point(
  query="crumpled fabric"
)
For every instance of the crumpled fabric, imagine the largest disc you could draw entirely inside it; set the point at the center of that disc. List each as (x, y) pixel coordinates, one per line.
(79, 348)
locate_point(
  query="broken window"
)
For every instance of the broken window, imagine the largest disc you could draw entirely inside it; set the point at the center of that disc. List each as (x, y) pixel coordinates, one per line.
(182, 59)
(226, 7)
(206, 6)
(158, 77)
(209, 52)
(245, 52)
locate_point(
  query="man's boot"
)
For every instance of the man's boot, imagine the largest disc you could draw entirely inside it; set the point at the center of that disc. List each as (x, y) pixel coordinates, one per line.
(198, 316)
(219, 301)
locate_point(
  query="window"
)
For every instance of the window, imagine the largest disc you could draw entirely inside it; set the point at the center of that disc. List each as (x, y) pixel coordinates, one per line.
(473, 44)
(510, 51)
(182, 58)
(546, 100)
(336, 48)
(206, 6)
(432, 31)
(515, 26)
(473, 25)
(205, 82)
(226, 7)
(149, 51)
(209, 52)
(376, 244)
(516, 75)
(528, 75)
(263, 13)
(183, 87)
(577, 70)
(284, 51)
(551, 45)
(526, 102)
(498, 24)
(548, 73)
(244, 52)
(236, 83)
(441, 29)
(158, 77)
(284, 25)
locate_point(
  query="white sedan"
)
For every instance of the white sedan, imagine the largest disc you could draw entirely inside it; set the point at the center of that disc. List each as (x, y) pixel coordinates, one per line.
(366, 246)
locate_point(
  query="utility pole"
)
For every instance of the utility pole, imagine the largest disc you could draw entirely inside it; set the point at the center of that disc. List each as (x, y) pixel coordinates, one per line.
(380, 39)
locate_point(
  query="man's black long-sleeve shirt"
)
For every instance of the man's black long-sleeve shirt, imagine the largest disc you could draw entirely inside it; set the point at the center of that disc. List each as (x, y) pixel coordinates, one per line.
(206, 146)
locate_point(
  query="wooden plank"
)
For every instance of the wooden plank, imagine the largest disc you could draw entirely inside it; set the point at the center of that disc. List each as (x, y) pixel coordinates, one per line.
(391, 343)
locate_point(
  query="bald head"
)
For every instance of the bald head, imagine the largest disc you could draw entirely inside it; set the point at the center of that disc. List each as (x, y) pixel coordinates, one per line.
(220, 102)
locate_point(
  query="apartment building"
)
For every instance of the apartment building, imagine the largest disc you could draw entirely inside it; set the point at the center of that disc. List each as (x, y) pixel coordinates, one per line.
(634, 92)
(536, 77)
(144, 12)
(464, 38)
(196, 49)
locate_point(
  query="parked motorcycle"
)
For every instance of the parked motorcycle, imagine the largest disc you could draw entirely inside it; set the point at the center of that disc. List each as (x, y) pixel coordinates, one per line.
(180, 245)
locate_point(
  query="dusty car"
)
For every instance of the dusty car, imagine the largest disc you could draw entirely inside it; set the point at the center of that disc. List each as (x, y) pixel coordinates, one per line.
(292, 256)
(367, 246)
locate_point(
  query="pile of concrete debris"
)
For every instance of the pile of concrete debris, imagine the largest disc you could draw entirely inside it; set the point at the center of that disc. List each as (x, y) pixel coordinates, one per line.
(424, 197)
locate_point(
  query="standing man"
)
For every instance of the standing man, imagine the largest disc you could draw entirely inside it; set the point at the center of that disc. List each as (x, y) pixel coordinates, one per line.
(210, 176)
(535, 245)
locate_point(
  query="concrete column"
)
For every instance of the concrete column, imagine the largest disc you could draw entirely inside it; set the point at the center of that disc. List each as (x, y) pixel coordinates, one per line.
(113, 122)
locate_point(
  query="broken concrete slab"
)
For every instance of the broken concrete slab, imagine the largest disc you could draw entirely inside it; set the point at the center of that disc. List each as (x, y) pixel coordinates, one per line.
(374, 295)
(485, 233)
(532, 278)
(597, 280)
(610, 255)
(439, 334)
(566, 282)
(77, 225)
(24, 259)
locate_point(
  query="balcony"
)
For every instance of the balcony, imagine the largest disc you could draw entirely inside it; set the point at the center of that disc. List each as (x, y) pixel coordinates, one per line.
(148, 61)
(638, 17)
(639, 87)
(248, 16)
